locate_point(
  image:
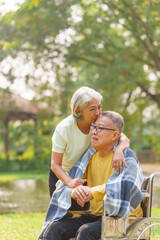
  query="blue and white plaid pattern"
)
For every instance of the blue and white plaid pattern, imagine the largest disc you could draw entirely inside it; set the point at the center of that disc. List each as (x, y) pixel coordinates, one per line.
(129, 181)
(123, 191)
(61, 198)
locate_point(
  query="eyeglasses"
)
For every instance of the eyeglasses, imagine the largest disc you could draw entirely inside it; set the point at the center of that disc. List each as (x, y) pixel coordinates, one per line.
(99, 129)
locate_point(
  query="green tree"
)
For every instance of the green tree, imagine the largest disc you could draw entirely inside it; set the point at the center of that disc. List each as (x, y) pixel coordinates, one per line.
(114, 45)
(110, 45)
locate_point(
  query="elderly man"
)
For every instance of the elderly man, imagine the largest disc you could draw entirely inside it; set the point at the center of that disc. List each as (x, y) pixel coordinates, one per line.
(104, 135)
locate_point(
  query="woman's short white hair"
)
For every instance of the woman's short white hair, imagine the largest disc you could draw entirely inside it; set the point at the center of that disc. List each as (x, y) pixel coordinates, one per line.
(81, 98)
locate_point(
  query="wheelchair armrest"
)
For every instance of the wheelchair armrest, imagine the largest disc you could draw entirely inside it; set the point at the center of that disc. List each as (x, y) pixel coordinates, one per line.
(80, 212)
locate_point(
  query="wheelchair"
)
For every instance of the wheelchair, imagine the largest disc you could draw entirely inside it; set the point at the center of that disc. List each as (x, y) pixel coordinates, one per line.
(144, 228)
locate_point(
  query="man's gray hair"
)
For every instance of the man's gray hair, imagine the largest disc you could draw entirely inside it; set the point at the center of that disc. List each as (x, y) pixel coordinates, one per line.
(81, 98)
(116, 119)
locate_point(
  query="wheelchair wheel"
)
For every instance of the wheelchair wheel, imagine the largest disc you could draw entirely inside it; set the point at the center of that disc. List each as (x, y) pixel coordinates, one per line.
(146, 229)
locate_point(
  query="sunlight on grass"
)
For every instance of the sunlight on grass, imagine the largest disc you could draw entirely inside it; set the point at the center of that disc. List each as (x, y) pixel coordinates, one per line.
(21, 226)
(28, 226)
(155, 212)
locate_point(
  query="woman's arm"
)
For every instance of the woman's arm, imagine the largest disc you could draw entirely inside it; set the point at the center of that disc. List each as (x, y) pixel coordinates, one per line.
(56, 166)
(118, 157)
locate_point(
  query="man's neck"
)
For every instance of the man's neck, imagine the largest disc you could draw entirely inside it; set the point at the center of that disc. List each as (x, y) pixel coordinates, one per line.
(103, 153)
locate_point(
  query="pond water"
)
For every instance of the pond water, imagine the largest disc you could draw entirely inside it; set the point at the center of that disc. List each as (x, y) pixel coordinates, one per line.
(25, 196)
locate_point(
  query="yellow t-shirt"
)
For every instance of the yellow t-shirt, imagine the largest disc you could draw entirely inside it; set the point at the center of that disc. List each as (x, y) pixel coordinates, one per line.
(102, 169)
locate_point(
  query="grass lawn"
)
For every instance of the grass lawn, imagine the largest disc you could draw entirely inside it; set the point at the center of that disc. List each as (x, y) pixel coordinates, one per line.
(156, 212)
(21, 226)
(11, 176)
(28, 226)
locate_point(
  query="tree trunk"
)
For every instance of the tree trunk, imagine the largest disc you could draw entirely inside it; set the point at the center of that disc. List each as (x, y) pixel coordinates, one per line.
(6, 138)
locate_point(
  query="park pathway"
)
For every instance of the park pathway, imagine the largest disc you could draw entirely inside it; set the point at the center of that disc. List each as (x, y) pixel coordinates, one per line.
(148, 168)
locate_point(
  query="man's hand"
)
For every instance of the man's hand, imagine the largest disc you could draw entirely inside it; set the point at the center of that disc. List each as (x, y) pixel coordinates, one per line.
(72, 183)
(82, 194)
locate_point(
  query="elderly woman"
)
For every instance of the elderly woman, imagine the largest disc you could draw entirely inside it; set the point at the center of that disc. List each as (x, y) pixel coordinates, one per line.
(72, 138)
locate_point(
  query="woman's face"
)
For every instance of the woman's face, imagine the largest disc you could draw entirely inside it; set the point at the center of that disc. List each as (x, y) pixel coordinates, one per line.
(91, 112)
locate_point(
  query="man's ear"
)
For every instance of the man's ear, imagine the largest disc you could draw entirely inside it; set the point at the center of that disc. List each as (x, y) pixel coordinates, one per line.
(115, 135)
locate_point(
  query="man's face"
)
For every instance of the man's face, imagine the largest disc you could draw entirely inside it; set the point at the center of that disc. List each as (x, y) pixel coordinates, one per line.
(101, 138)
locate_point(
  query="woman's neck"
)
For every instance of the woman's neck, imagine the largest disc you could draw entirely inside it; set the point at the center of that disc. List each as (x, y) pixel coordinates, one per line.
(83, 126)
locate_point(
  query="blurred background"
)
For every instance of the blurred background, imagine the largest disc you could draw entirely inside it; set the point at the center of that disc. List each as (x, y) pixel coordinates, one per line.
(49, 48)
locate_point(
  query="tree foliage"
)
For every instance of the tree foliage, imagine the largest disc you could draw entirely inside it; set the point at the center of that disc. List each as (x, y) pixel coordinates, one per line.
(110, 45)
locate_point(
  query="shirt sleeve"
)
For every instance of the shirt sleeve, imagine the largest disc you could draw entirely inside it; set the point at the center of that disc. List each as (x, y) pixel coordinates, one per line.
(98, 192)
(59, 142)
(85, 173)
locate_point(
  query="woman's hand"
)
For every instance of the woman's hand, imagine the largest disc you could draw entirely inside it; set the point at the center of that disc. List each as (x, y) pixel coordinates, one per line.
(118, 160)
(72, 183)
